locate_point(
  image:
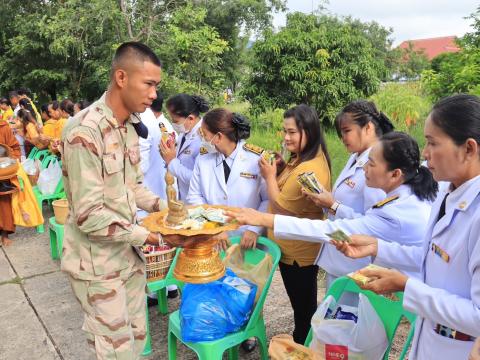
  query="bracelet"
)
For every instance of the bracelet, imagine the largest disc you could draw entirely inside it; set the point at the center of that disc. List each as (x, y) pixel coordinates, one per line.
(333, 209)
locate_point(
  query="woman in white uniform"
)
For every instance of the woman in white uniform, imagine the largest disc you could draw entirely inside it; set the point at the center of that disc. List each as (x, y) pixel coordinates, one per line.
(393, 166)
(446, 297)
(227, 170)
(184, 111)
(360, 126)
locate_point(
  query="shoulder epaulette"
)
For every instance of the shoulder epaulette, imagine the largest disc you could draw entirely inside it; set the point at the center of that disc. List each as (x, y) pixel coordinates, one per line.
(253, 148)
(385, 201)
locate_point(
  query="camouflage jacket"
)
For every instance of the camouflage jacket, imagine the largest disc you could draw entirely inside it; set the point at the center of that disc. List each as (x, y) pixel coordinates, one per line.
(103, 183)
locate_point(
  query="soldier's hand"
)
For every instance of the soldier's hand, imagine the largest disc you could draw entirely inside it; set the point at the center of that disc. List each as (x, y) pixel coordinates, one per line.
(184, 241)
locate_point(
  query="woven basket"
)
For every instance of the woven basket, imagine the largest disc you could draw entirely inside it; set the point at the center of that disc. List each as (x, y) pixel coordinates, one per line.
(60, 209)
(158, 264)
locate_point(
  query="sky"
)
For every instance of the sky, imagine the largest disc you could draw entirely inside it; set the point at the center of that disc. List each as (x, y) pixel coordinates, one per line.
(410, 19)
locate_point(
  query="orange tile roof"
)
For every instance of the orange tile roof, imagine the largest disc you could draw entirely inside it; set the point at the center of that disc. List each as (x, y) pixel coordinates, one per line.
(434, 46)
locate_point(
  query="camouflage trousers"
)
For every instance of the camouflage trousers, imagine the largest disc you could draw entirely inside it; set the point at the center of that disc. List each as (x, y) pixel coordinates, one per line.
(114, 309)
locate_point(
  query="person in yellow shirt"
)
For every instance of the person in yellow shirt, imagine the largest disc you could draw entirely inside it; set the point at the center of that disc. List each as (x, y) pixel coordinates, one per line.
(31, 132)
(49, 124)
(7, 111)
(25, 93)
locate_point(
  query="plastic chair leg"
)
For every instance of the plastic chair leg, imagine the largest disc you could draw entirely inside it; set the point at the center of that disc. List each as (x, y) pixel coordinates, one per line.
(53, 243)
(172, 346)
(40, 229)
(147, 350)
(162, 301)
(261, 335)
(233, 353)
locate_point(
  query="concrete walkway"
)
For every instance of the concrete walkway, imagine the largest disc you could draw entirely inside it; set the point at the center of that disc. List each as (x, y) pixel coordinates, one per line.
(40, 318)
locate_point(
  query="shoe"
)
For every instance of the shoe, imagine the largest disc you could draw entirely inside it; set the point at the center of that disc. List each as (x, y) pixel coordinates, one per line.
(152, 301)
(172, 294)
(250, 344)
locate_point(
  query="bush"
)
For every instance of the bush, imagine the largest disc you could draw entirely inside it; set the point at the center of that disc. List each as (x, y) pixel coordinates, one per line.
(404, 103)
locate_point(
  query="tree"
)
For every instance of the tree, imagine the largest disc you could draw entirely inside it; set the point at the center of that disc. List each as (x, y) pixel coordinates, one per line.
(410, 63)
(319, 60)
(457, 72)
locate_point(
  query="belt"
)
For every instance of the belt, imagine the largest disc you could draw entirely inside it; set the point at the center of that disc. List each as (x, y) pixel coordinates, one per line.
(452, 334)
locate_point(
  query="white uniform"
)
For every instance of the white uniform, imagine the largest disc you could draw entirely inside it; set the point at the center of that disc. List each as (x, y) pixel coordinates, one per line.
(402, 220)
(245, 186)
(448, 292)
(350, 190)
(182, 166)
(355, 198)
(151, 163)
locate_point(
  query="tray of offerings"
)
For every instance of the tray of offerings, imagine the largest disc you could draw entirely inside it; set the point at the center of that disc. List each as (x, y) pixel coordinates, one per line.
(199, 262)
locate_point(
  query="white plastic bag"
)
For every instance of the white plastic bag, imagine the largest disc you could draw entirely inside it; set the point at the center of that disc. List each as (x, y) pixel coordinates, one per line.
(30, 167)
(344, 339)
(49, 178)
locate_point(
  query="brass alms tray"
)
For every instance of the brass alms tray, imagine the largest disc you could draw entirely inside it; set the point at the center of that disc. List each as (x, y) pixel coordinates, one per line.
(156, 222)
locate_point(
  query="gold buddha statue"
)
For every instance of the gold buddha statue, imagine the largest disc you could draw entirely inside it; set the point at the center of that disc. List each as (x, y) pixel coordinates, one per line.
(176, 208)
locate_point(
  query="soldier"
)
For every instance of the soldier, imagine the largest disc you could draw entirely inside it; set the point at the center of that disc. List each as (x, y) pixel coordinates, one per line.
(103, 183)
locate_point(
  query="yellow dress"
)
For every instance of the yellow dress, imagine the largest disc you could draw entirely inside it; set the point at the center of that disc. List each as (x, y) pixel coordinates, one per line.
(7, 114)
(24, 204)
(49, 128)
(59, 127)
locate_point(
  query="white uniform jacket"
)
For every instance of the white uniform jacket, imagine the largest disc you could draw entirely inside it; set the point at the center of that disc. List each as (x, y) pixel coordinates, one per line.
(350, 190)
(448, 292)
(245, 186)
(402, 220)
(182, 166)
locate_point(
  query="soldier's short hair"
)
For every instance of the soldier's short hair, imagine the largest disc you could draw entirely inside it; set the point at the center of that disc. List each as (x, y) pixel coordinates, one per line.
(133, 50)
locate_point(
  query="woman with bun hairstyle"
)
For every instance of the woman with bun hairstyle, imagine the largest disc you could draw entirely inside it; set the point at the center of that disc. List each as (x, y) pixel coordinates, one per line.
(227, 170)
(184, 111)
(446, 297)
(360, 125)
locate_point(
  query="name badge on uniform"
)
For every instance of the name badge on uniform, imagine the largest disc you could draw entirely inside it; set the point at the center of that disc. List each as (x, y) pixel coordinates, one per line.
(440, 252)
(187, 151)
(248, 175)
(349, 183)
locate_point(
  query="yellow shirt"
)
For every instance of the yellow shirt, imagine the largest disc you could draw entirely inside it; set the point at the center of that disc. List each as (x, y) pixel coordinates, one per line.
(292, 202)
(7, 114)
(59, 127)
(49, 128)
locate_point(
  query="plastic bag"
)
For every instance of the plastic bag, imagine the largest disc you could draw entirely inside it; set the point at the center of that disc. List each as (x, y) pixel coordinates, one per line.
(255, 273)
(49, 178)
(282, 347)
(335, 339)
(211, 311)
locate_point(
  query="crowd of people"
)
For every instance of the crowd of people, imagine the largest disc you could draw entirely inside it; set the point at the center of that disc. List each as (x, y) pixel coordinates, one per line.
(386, 199)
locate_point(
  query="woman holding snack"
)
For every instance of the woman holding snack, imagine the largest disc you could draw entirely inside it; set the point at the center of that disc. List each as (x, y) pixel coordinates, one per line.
(360, 126)
(227, 171)
(446, 297)
(184, 110)
(309, 160)
(394, 167)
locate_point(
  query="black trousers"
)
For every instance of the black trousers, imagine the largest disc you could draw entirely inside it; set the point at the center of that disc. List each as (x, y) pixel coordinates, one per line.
(301, 285)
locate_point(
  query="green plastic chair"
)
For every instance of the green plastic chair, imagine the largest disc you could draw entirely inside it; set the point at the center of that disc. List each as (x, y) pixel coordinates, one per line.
(32, 153)
(390, 312)
(56, 238)
(212, 350)
(160, 287)
(58, 194)
(41, 154)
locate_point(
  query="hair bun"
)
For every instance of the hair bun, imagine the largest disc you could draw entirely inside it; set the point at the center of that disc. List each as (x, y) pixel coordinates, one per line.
(385, 123)
(242, 125)
(202, 104)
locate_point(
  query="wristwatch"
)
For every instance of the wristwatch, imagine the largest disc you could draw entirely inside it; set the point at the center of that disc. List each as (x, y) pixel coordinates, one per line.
(333, 209)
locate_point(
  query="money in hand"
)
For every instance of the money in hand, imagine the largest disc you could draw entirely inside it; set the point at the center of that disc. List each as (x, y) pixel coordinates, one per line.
(339, 235)
(309, 181)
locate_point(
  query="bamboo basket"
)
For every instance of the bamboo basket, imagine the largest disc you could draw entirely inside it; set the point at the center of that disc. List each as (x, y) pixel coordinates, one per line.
(158, 264)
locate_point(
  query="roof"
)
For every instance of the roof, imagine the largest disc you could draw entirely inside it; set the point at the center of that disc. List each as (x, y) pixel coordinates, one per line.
(433, 46)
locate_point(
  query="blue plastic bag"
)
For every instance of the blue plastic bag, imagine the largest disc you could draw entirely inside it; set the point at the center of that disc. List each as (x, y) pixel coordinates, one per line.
(211, 311)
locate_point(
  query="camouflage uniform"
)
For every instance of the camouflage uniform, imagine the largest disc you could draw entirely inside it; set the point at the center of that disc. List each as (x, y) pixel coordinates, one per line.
(103, 182)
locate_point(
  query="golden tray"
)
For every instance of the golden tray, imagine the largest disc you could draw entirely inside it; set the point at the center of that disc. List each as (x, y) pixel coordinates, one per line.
(199, 262)
(155, 222)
